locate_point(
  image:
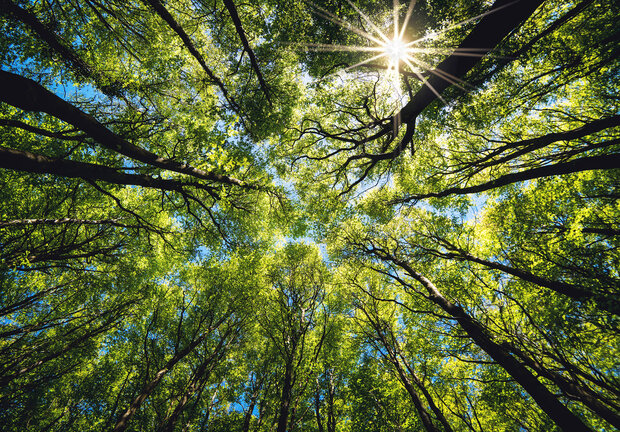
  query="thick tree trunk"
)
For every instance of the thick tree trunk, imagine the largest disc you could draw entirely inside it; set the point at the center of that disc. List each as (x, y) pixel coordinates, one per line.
(543, 397)
(489, 32)
(572, 389)
(502, 62)
(33, 163)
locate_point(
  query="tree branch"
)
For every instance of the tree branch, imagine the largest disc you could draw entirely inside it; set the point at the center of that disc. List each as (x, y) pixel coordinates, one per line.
(602, 162)
(29, 95)
(232, 10)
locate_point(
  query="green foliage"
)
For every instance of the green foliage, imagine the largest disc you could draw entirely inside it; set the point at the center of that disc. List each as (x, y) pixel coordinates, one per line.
(200, 236)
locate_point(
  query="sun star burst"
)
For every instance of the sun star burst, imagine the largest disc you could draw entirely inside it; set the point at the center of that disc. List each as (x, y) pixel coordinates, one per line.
(400, 56)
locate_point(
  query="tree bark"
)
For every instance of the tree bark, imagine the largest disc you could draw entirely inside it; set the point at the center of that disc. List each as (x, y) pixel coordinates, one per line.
(489, 32)
(163, 13)
(425, 417)
(124, 419)
(393, 354)
(317, 407)
(418, 382)
(331, 417)
(573, 390)
(520, 148)
(232, 10)
(49, 37)
(64, 221)
(247, 418)
(200, 377)
(33, 163)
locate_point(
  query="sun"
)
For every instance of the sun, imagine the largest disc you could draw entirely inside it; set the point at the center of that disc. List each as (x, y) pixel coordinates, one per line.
(396, 51)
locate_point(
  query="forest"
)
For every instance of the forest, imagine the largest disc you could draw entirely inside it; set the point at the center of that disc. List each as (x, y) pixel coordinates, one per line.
(309, 216)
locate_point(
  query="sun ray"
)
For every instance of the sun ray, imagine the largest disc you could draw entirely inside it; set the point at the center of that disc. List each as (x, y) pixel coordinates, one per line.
(459, 52)
(407, 17)
(363, 62)
(342, 23)
(441, 74)
(370, 23)
(424, 80)
(447, 50)
(332, 47)
(410, 58)
(395, 10)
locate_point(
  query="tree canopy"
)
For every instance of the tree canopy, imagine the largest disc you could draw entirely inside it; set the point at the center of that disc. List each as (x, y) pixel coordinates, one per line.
(330, 215)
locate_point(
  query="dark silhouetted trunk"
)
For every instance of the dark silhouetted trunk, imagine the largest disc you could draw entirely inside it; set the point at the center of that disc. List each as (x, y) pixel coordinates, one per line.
(285, 401)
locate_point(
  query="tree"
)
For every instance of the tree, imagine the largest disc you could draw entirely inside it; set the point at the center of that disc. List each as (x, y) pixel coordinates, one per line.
(296, 329)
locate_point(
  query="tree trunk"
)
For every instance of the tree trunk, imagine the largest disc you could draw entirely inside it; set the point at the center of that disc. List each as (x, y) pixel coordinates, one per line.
(124, 419)
(200, 378)
(442, 419)
(393, 352)
(317, 407)
(33, 163)
(331, 417)
(523, 147)
(232, 10)
(425, 417)
(163, 13)
(572, 389)
(489, 32)
(248, 414)
(285, 400)
(48, 37)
